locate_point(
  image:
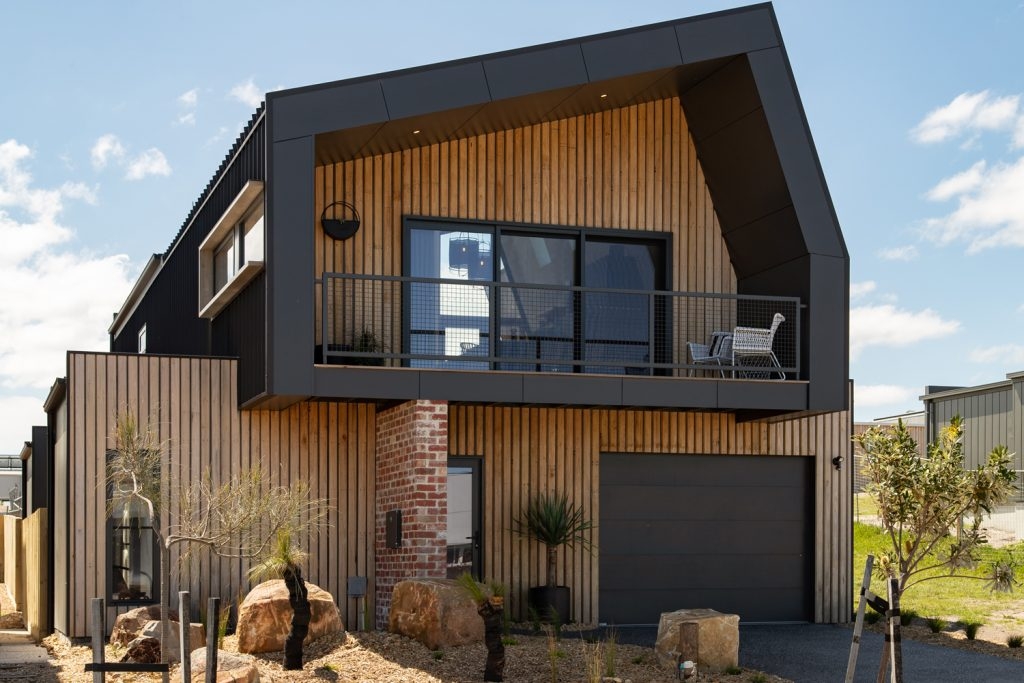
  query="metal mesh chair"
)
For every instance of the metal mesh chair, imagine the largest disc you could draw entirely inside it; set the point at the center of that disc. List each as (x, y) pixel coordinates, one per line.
(718, 352)
(753, 346)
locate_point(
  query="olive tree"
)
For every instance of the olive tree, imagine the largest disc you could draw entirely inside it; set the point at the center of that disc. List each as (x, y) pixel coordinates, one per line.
(241, 518)
(932, 507)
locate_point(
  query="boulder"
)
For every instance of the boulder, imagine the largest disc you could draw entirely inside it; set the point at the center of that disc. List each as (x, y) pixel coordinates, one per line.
(436, 612)
(265, 617)
(145, 648)
(709, 638)
(128, 626)
(231, 667)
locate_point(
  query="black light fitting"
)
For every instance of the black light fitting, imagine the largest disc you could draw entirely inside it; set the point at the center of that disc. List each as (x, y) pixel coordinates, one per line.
(340, 228)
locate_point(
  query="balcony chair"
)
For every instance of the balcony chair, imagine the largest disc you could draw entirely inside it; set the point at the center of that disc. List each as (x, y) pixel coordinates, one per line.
(718, 352)
(756, 343)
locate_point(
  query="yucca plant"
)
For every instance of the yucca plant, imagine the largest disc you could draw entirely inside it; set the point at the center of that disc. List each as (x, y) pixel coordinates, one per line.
(554, 521)
(285, 562)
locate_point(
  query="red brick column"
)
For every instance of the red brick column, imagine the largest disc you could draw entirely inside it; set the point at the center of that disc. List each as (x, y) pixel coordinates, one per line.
(412, 476)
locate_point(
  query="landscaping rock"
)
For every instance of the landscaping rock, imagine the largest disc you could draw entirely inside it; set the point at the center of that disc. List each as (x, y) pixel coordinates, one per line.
(709, 638)
(128, 626)
(231, 667)
(145, 648)
(265, 617)
(436, 612)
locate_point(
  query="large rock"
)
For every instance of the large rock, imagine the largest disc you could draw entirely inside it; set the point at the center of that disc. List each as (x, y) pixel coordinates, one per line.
(436, 612)
(145, 648)
(128, 626)
(231, 667)
(265, 617)
(710, 638)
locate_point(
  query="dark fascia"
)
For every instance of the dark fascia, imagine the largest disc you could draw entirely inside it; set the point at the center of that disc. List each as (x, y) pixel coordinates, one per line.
(735, 83)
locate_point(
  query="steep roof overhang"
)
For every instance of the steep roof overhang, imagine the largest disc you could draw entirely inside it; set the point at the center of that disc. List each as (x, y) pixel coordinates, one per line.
(732, 76)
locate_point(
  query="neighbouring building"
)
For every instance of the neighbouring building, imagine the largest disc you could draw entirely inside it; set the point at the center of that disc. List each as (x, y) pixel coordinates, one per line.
(441, 290)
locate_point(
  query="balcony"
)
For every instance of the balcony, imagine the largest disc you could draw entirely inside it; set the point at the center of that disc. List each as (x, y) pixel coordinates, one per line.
(482, 326)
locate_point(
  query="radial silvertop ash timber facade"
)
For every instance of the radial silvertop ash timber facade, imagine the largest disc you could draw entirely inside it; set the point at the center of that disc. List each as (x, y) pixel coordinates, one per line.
(568, 263)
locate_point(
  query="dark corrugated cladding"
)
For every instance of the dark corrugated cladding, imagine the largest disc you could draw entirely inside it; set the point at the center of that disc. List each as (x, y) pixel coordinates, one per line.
(240, 331)
(169, 310)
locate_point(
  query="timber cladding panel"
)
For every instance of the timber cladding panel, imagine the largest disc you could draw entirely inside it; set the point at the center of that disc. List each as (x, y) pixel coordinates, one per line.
(526, 450)
(633, 168)
(192, 404)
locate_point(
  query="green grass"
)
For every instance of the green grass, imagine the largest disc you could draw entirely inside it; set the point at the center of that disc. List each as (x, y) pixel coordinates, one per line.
(965, 599)
(864, 505)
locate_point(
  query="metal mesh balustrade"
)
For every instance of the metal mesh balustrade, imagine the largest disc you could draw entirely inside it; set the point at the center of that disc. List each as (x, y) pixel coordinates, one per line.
(480, 325)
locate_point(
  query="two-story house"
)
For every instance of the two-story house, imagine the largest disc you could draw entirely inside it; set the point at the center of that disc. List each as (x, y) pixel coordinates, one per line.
(441, 290)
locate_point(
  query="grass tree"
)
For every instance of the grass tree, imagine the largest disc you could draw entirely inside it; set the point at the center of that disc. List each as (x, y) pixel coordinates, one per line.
(285, 562)
(238, 519)
(932, 508)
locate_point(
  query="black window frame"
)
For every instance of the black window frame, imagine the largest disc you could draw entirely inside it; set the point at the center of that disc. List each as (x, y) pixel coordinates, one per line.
(664, 239)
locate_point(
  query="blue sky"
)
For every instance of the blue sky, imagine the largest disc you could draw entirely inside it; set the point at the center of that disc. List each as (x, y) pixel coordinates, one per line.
(113, 117)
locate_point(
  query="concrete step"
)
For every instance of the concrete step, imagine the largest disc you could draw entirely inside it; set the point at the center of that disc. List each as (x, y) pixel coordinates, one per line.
(15, 637)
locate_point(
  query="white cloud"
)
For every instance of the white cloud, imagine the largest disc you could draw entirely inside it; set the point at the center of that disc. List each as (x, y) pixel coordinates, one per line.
(150, 162)
(52, 297)
(907, 252)
(859, 290)
(875, 395)
(888, 326)
(960, 183)
(1004, 354)
(247, 93)
(189, 99)
(108, 147)
(989, 211)
(968, 113)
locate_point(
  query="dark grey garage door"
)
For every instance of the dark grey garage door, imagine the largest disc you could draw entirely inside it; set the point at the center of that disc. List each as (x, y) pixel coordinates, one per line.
(732, 533)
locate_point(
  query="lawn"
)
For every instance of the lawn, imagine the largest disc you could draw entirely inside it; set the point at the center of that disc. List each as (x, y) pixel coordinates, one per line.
(949, 598)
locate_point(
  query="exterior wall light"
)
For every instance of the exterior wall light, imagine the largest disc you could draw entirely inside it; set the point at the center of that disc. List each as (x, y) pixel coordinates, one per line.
(340, 228)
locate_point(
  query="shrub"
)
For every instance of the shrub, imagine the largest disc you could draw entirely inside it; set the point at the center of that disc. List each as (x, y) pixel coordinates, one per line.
(1015, 640)
(936, 625)
(971, 629)
(733, 670)
(872, 617)
(438, 655)
(907, 617)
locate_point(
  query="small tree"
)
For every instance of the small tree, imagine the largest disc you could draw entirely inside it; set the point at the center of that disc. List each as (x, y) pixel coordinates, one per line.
(238, 519)
(932, 507)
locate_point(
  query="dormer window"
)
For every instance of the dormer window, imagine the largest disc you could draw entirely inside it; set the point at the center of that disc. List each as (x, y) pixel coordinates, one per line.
(232, 253)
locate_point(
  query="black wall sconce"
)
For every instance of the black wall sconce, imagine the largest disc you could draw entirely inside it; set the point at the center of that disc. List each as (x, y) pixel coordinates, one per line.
(340, 228)
(837, 462)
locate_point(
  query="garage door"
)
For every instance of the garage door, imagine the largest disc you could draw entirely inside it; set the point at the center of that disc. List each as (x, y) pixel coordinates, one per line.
(732, 533)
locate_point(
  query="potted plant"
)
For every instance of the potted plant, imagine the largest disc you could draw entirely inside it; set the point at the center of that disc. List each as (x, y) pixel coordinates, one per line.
(555, 522)
(364, 341)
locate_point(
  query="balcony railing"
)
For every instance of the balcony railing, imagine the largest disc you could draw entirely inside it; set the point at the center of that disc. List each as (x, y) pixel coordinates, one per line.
(483, 325)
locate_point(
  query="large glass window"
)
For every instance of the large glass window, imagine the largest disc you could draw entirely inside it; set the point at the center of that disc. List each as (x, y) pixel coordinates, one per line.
(539, 316)
(134, 563)
(450, 319)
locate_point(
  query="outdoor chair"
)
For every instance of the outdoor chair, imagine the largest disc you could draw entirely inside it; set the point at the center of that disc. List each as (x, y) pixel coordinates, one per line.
(753, 345)
(718, 352)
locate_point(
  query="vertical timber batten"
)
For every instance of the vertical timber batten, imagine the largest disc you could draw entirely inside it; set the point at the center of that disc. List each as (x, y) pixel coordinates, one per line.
(190, 402)
(521, 447)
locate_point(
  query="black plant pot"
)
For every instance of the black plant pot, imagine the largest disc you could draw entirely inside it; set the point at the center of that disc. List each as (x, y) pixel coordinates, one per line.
(551, 603)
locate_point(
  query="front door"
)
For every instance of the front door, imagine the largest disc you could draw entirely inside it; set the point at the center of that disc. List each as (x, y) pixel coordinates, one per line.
(464, 517)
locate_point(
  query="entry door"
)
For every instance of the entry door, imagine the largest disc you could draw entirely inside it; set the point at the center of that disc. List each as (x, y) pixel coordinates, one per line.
(464, 517)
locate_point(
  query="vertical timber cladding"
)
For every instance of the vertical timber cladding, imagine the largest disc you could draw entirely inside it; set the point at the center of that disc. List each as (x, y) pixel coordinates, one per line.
(526, 450)
(192, 404)
(629, 168)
